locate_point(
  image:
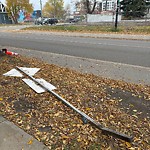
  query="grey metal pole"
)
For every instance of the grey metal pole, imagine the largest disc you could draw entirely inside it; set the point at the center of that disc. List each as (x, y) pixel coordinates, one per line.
(92, 121)
(106, 5)
(116, 20)
(41, 8)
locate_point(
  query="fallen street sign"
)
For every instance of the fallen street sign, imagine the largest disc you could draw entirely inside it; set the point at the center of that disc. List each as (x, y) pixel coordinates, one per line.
(33, 85)
(40, 85)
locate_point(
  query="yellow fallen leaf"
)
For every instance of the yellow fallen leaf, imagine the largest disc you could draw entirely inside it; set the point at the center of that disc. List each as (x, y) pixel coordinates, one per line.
(28, 115)
(109, 148)
(111, 117)
(79, 138)
(20, 122)
(30, 141)
(65, 137)
(64, 141)
(28, 127)
(131, 148)
(78, 125)
(78, 100)
(134, 116)
(57, 114)
(134, 110)
(43, 138)
(128, 144)
(88, 108)
(1, 99)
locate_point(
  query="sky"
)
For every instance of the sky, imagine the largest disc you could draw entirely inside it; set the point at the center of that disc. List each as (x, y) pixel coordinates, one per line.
(36, 3)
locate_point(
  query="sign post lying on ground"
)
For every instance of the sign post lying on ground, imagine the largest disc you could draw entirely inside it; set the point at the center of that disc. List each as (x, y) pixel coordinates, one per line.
(45, 85)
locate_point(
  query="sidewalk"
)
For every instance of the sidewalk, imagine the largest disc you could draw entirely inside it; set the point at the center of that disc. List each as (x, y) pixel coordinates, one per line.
(13, 138)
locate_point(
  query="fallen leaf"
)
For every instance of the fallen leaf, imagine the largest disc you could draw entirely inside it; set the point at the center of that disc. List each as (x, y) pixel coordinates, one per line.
(128, 144)
(30, 141)
(64, 137)
(134, 110)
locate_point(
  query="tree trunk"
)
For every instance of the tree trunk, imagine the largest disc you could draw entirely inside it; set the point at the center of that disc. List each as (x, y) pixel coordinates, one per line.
(88, 6)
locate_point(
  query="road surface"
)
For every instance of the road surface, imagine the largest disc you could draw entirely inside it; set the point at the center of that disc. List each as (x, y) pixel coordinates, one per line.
(134, 52)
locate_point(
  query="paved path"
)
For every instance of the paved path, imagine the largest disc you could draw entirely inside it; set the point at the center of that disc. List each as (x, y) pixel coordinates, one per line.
(13, 138)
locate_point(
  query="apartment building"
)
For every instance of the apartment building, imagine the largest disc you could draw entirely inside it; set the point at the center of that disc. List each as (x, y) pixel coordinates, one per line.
(101, 6)
(107, 5)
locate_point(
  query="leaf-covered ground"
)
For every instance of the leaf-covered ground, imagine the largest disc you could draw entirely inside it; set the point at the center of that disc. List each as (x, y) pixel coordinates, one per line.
(118, 105)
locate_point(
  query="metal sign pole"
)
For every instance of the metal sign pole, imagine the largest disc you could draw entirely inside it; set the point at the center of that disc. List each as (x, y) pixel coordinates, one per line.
(41, 8)
(96, 124)
(116, 20)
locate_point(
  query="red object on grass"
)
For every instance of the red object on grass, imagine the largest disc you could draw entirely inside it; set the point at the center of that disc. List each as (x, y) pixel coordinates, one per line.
(9, 52)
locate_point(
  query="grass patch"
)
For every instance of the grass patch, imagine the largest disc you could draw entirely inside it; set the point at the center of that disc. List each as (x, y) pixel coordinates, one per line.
(72, 28)
(2, 25)
(94, 29)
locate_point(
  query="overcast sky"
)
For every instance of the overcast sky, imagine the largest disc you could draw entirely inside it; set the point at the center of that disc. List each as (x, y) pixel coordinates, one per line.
(36, 3)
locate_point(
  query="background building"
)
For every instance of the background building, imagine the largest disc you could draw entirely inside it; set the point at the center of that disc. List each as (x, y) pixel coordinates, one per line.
(4, 19)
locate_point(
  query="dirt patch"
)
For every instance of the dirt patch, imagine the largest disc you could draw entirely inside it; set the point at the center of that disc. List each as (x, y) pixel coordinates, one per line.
(23, 105)
(131, 103)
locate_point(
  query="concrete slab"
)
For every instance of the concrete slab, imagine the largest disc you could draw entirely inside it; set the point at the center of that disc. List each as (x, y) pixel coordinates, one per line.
(2, 119)
(13, 138)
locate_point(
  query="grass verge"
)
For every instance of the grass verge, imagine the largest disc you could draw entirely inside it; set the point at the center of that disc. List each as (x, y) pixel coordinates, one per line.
(95, 29)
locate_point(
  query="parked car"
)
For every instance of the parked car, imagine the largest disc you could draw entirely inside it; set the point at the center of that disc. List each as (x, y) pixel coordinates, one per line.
(39, 21)
(46, 21)
(50, 21)
(73, 20)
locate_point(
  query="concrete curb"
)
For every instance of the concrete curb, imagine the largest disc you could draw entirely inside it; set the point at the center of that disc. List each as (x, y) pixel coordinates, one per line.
(14, 138)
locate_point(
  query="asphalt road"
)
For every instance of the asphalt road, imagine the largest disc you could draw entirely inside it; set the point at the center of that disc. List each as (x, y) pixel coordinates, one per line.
(134, 52)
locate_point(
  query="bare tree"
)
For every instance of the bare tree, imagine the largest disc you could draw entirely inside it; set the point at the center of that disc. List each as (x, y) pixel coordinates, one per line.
(89, 6)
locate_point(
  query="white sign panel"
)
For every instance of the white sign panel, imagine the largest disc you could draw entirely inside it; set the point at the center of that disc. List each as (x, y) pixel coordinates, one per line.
(37, 88)
(13, 73)
(46, 84)
(30, 71)
(34, 86)
(16, 73)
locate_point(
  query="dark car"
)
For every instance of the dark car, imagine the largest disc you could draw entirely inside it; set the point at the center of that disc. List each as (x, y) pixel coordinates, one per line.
(45, 21)
(73, 20)
(50, 21)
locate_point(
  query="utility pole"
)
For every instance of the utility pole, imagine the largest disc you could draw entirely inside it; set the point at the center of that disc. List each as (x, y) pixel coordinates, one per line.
(54, 8)
(106, 5)
(117, 10)
(41, 7)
